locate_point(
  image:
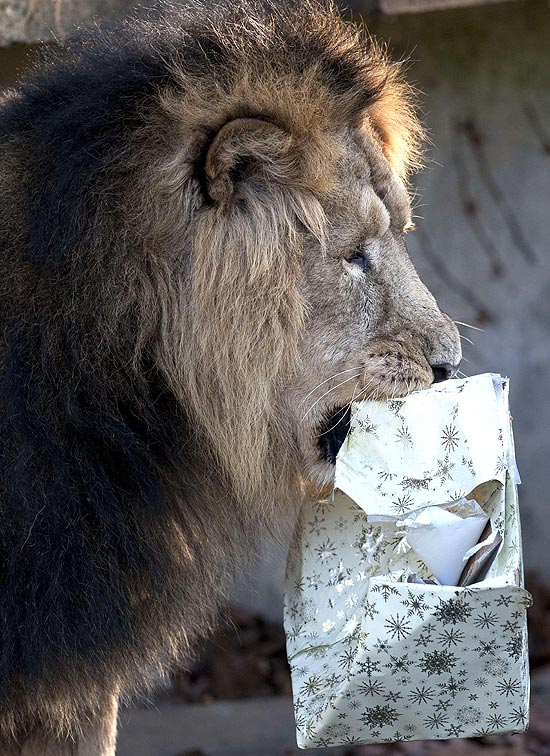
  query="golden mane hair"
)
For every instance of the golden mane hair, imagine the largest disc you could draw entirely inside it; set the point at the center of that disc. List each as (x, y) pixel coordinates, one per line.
(151, 314)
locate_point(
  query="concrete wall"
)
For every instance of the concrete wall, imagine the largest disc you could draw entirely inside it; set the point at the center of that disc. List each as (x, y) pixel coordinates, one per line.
(483, 217)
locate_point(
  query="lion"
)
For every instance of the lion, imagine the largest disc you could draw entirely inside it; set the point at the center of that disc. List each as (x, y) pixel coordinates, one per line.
(202, 219)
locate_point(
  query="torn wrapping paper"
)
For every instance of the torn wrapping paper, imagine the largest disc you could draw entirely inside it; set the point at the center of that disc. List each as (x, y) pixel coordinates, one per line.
(445, 537)
(390, 635)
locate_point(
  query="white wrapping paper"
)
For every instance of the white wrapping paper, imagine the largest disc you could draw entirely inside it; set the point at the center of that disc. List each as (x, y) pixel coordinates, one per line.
(373, 657)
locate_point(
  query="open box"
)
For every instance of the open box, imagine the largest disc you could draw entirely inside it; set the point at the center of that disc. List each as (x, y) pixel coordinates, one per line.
(373, 657)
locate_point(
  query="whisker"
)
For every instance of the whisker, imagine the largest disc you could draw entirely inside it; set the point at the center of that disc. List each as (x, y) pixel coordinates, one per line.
(467, 325)
(353, 395)
(349, 370)
(365, 388)
(351, 378)
(465, 338)
(343, 412)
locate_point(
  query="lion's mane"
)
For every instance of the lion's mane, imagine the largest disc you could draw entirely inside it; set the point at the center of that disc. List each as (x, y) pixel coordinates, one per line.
(149, 322)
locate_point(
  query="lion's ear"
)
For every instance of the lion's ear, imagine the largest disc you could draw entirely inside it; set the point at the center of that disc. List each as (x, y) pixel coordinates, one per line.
(248, 151)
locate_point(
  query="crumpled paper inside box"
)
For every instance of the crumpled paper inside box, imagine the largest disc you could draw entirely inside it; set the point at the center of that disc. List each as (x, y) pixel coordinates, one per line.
(380, 647)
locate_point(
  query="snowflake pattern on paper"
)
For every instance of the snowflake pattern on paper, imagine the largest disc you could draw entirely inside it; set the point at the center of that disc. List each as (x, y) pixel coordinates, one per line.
(375, 658)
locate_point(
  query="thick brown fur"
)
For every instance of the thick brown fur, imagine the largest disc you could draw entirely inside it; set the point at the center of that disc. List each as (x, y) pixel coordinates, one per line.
(180, 200)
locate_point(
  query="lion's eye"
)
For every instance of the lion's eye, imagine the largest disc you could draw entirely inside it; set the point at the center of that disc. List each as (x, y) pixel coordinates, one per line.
(361, 259)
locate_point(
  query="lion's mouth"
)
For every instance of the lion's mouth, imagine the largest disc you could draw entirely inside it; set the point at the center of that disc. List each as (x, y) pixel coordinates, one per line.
(333, 431)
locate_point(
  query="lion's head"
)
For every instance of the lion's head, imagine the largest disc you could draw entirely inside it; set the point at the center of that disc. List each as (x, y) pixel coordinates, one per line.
(373, 329)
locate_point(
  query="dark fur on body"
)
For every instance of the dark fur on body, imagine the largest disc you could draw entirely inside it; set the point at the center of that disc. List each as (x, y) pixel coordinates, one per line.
(121, 515)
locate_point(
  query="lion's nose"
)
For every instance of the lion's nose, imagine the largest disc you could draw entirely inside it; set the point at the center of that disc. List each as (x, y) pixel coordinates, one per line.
(443, 371)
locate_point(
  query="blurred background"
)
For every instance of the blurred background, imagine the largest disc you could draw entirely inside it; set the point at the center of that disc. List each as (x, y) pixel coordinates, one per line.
(482, 247)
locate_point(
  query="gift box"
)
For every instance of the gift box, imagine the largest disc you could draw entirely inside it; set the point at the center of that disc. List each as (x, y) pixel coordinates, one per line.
(398, 627)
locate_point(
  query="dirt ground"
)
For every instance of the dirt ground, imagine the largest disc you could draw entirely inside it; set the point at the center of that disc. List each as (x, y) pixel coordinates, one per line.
(247, 659)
